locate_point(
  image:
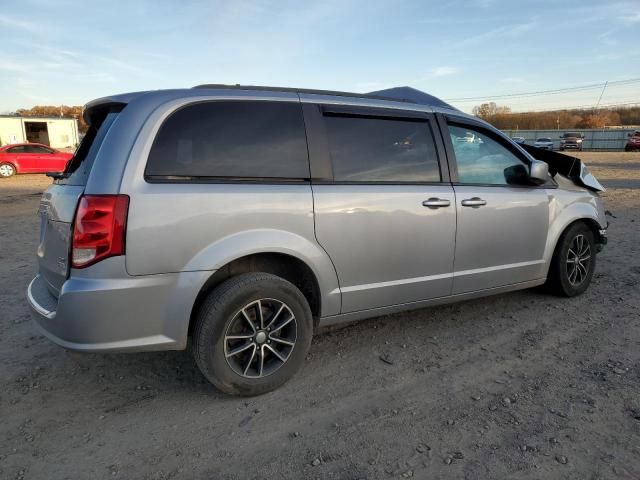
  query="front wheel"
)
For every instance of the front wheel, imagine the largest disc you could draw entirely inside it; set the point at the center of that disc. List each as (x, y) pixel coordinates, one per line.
(252, 334)
(573, 262)
(7, 170)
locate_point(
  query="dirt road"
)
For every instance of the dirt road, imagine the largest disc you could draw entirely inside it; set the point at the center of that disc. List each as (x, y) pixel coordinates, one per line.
(517, 386)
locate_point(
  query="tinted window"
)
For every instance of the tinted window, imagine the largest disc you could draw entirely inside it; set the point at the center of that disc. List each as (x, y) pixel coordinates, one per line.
(379, 149)
(232, 139)
(483, 160)
(80, 166)
(19, 149)
(36, 149)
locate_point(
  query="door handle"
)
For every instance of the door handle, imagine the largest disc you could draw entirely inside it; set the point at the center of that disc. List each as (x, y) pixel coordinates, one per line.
(436, 203)
(473, 202)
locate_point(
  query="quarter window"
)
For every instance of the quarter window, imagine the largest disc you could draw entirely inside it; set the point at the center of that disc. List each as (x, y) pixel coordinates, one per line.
(483, 160)
(233, 139)
(366, 149)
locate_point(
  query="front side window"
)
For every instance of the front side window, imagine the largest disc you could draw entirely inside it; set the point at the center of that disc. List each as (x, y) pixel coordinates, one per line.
(483, 160)
(233, 139)
(365, 149)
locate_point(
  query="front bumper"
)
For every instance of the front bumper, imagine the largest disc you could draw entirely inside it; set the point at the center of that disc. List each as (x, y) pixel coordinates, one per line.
(601, 239)
(571, 146)
(117, 314)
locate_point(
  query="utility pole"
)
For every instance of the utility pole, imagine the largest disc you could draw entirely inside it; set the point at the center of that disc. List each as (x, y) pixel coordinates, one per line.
(558, 123)
(601, 94)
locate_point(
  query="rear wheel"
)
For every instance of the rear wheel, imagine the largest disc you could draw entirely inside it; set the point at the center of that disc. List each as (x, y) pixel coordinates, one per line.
(573, 262)
(7, 170)
(252, 334)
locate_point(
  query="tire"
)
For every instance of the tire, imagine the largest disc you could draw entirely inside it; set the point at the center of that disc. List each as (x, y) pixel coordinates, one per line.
(7, 170)
(566, 278)
(231, 310)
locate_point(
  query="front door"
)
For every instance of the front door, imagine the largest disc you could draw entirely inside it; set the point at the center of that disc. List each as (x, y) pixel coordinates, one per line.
(502, 220)
(386, 216)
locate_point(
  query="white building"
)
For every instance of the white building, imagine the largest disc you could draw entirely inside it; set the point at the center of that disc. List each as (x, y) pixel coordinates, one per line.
(53, 131)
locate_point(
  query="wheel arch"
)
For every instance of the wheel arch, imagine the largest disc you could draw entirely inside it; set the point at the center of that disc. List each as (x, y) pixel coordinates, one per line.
(12, 163)
(590, 221)
(284, 265)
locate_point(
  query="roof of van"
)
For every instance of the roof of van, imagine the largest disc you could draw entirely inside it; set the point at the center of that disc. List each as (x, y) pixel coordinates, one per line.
(398, 94)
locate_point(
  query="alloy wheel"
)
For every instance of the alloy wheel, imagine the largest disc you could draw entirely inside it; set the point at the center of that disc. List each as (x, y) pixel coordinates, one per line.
(260, 338)
(578, 260)
(6, 170)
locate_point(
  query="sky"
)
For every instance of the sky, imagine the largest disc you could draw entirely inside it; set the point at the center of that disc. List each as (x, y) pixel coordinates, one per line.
(69, 52)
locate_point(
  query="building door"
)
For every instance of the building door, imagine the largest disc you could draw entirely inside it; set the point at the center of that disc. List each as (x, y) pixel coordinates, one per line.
(37, 132)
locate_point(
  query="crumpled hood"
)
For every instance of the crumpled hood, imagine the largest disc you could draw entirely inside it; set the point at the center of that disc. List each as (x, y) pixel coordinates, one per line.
(571, 167)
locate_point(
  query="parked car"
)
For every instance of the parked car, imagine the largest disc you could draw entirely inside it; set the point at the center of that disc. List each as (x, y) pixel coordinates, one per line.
(519, 140)
(31, 158)
(544, 142)
(571, 141)
(634, 142)
(467, 137)
(296, 210)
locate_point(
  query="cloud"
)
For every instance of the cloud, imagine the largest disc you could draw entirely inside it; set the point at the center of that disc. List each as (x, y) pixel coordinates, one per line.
(443, 71)
(511, 80)
(631, 18)
(506, 31)
(25, 25)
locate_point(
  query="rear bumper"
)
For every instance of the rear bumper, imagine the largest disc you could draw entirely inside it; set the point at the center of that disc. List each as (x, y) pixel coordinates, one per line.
(117, 314)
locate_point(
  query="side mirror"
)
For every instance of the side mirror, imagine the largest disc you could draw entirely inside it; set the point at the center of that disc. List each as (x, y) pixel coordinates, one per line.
(538, 172)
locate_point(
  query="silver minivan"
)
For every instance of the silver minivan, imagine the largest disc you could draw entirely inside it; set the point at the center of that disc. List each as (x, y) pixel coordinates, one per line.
(248, 217)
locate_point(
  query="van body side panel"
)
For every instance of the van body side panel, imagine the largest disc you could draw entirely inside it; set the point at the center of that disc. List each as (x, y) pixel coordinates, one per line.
(192, 227)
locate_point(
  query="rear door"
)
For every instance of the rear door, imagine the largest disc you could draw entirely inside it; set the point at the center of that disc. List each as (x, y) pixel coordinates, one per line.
(384, 210)
(46, 160)
(58, 206)
(502, 220)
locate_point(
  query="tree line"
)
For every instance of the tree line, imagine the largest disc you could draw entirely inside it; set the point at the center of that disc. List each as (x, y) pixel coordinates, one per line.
(503, 118)
(499, 116)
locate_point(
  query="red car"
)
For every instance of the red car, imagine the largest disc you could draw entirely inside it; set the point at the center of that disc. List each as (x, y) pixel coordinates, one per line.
(31, 158)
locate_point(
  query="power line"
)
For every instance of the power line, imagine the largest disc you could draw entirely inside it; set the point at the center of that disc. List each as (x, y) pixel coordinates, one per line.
(578, 107)
(545, 92)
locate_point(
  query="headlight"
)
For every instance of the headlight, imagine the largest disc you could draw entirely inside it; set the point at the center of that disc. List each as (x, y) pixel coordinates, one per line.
(579, 140)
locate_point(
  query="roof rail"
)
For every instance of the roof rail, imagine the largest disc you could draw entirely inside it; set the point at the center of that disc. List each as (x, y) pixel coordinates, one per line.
(297, 90)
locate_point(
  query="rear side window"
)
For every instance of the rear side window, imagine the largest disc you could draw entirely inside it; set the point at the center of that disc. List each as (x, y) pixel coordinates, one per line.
(80, 166)
(377, 149)
(232, 139)
(20, 149)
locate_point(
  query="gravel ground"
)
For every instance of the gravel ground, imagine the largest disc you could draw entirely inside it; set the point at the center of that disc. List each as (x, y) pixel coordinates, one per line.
(517, 386)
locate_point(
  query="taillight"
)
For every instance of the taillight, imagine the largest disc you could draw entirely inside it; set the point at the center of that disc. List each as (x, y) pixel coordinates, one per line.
(99, 229)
